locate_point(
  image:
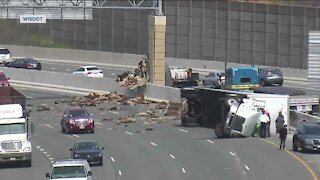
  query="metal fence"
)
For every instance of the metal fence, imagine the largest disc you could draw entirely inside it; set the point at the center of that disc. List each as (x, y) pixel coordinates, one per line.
(226, 31)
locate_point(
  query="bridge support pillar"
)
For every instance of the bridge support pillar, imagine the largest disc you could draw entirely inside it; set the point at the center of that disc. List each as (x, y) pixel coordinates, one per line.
(157, 49)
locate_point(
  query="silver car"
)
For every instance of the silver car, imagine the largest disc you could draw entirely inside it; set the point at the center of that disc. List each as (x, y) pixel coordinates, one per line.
(214, 80)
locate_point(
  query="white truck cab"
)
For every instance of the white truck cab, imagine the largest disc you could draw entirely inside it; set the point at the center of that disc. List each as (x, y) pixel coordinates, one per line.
(75, 169)
(14, 143)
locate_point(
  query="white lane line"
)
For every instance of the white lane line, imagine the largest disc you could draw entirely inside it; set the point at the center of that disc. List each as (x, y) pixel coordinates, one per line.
(45, 152)
(99, 123)
(130, 133)
(113, 74)
(153, 144)
(48, 155)
(41, 149)
(114, 112)
(112, 159)
(67, 69)
(172, 156)
(120, 173)
(182, 130)
(50, 158)
(53, 68)
(52, 162)
(109, 129)
(47, 125)
(74, 135)
(247, 168)
(232, 154)
(183, 170)
(38, 147)
(208, 140)
(29, 97)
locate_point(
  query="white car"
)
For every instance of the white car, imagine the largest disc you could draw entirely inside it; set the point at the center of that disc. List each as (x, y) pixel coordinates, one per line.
(75, 169)
(89, 71)
(5, 56)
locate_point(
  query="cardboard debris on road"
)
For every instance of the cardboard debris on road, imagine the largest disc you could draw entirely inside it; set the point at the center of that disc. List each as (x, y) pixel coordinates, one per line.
(127, 120)
(43, 107)
(173, 109)
(131, 80)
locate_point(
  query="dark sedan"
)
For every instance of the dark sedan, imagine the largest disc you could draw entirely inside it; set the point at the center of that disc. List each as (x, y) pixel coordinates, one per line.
(77, 119)
(25, 63)
(89, 150)
(306, 137)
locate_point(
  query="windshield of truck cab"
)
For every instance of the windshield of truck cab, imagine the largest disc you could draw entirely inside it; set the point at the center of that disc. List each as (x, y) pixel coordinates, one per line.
(68, 172)
(17, 128)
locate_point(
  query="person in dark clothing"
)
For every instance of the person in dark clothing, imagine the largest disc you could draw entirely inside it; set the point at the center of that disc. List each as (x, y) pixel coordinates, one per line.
(279, 122)
(268, 124)
(283, 136)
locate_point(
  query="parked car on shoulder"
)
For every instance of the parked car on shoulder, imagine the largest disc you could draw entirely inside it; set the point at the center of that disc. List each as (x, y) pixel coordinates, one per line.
(89, 150)
(306, 137)
(77, 119)
(4, 81)
(25, 63)
(214, 79)
(5, 56)
(89, 71)
(270, 76)
(75, 169)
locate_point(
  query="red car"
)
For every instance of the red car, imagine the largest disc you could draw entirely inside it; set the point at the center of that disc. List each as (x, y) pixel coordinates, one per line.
(77, 119)
(4, 80)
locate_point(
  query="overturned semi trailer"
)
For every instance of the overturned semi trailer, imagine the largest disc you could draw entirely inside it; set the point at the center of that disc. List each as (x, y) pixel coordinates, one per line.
(230, 113)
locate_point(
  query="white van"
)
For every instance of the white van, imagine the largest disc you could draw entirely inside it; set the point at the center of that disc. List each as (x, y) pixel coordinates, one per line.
(75, 169)
(5, 56)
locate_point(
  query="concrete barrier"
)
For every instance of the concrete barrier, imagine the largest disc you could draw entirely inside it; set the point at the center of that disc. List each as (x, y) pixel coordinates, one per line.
(296, 117)
(85, 84)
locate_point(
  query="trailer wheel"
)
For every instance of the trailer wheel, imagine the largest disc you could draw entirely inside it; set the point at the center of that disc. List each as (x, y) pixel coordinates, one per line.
(28, 163)
(231, 100)
(219, 130)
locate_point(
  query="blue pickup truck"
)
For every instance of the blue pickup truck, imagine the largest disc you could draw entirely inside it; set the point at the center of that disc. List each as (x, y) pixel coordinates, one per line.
(242, 78)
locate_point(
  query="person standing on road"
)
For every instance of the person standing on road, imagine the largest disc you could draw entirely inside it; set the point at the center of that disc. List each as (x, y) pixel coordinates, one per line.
(263, 124)
(268, 123)
(283, 136)
(279, 122)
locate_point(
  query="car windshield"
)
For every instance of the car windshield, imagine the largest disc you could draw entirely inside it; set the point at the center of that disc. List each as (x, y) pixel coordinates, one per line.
(312, 130)
(68, 172)
(93, 69)
(87, 146)
(16, 128)
(4, 51)
(77, 113)
(3, 77)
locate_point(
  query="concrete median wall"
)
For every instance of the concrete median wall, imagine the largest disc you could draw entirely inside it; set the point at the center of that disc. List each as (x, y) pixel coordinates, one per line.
(296, 116)
(85, 84)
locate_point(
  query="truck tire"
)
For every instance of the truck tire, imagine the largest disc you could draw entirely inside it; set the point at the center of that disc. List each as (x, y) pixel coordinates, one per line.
(229, 100)
(28, 163)
(219, 130)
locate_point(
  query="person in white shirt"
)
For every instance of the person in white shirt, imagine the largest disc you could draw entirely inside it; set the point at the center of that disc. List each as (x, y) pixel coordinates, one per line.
(264, 119)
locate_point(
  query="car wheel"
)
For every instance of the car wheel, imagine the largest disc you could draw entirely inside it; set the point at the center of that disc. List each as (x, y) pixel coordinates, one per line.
(67, 130)
(303, 149)
(294, 146)
(92, 131)
(62, 129)
(280, 84)
(101, 162)
(218, 130)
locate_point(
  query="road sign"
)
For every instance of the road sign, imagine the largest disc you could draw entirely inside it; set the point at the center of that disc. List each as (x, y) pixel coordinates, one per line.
(33, 19)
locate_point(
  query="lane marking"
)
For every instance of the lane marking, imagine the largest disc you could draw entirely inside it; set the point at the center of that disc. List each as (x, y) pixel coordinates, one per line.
(120, 173)
(114, 112)
(45, 152)
(182, 130)
(172, 156)
(38, 147)
(232, 154)
(48, 155)
(53, 68)
(52, 162)
(309, 169)
(129, 133)
(109, 129)
(183, 170)
(208, 140)
(99, 123)
(74, 135)
(153, 144)
(247, 167)
(47, 125)
(112, 159)
(41, 149)
(67, 69)
(113, 74)
(50, 158)
(30, 97)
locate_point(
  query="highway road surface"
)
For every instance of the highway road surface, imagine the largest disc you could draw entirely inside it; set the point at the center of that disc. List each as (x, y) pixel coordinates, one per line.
(167, 152)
